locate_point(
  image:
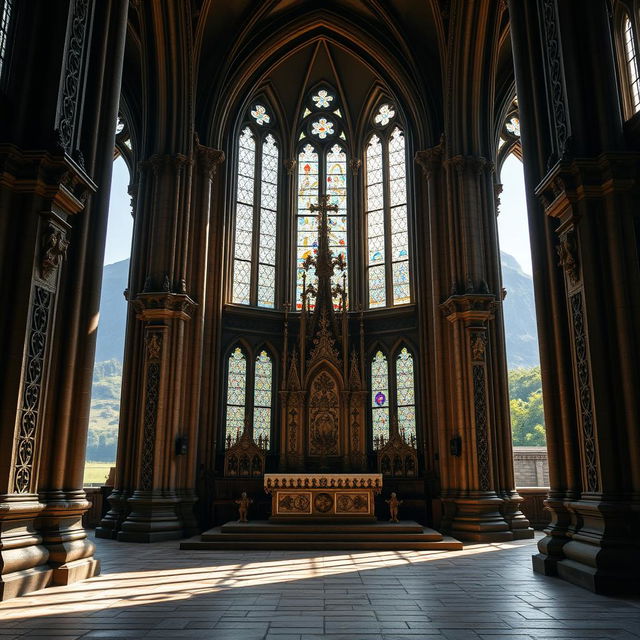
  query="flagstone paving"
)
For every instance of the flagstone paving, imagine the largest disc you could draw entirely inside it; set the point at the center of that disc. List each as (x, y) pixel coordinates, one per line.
(486, 591)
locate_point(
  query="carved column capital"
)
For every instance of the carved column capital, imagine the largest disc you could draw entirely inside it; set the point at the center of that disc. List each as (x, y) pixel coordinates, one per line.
(430, 159)
(474, 165)
(152, 305)
(208, 160)
(470, 307)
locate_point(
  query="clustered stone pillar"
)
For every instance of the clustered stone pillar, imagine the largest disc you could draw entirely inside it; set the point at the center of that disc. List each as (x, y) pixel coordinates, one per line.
(582, 189)
(54, 190)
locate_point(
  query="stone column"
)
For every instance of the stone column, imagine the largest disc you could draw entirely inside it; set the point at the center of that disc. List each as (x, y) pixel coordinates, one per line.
(55, 150)
(587, 187)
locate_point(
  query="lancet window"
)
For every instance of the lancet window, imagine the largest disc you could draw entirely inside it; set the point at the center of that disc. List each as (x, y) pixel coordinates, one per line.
(254, 253)
(6, 15)
(631, 61)
(249, 398)
(388, 271)
(393, 396)
(322, 169)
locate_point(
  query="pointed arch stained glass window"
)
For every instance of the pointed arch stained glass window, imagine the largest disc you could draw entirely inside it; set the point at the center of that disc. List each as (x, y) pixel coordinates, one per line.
(388, 275)
(236, 393)
(6, 11)
(405, 394)
(336, 189)
(379, 398)
(262, 399)
(256, 216)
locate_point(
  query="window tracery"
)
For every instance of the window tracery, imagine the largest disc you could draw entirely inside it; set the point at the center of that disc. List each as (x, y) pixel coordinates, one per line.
(6, 15)
(322, 169)
(254, 250)
(388, 272)
(631, 60)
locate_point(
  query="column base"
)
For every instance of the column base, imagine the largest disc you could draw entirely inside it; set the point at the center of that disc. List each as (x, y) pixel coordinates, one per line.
(518, 522)
(557, 535)
(602, 553)
(20, 583)
(477, 518)
(152, 518)
(112, 521)
(76, 570)
(23, 557)
(187, 498)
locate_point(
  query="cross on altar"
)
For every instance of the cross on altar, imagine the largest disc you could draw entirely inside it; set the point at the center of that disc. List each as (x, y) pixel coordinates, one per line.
(323, 206)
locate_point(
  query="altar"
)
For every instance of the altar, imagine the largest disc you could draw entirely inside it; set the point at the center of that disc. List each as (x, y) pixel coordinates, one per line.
(328, 496)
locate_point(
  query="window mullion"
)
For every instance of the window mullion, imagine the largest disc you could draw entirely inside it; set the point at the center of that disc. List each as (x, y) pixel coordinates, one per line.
(255, 236)
(386, 189)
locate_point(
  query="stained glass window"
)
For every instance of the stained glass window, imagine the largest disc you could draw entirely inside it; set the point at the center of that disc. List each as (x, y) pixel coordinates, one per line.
(379, 399)
(307, 234)
(384, 115)
(236, 391)
(336, 189)
(632, 64)
(243, 247)
(262, 397)
(405, 395)
(6, 9)
(254, 250)
(322, 99)
(268, 224)
(388, 275)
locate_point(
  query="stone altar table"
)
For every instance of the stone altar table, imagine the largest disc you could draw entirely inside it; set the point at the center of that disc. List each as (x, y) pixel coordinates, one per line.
(322, 495)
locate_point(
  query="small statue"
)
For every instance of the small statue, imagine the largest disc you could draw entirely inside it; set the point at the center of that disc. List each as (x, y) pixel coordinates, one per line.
(393, 503)
(243, 506)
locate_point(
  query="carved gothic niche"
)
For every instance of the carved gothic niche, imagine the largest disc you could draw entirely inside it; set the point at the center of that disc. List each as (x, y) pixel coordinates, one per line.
(244, 458)
(324, 415)
(397, 458)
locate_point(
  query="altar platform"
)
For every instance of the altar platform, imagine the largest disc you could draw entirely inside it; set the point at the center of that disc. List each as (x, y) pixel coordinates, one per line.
(313, 535)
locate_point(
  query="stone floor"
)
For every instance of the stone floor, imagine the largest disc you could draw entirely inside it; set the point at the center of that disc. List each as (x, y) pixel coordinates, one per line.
(156, 591)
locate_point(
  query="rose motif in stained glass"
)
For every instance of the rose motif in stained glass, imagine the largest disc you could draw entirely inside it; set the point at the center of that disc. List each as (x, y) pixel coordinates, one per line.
(260, 115)
(323, 99)
(384, 115)
(513, 126)
(322, 128)
(380, 398)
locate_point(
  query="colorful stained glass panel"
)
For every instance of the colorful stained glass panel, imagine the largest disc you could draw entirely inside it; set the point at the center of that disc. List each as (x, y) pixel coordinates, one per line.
(405, 391)
(262, 398)
(267, 237)
(307, 225)
(379, 397)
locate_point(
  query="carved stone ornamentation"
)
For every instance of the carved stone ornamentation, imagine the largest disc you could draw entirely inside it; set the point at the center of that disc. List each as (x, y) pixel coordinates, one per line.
(153, 349)
(290, 166)
(568, 257)
(583, 371)
(354, 165)
(34, 371)
(482, 436)
(324, 344)
(208, 160)
(54, 249)
(430, 159)
(72, 75)
(556, 79)
(324, 421)
(244, 459)
(478, 346)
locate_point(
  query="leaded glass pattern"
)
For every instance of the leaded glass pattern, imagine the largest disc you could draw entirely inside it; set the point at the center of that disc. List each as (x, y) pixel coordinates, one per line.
(6, 10)
(388, 274)
(336, 189)
(262, 399)
(379, 398)
(268, 223)
(632, 64)
(375, 224)
(307, 225)
(236, 392)
(405, 395)
(244, 218)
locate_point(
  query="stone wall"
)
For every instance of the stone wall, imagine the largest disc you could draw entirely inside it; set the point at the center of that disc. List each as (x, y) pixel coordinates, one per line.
(531, 466)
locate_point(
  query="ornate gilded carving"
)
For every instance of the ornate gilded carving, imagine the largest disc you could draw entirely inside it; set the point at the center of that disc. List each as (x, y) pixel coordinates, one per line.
(54, 249)
(482, 437)
(324, 344)
(397, 458)
(293, 430)
(568, 257)
(323, 502)
(32, 390)
(72, 75)
(295, 503)
(583, 371)
(274, 481)
(153, 348)
(324, 421)
(347, 503)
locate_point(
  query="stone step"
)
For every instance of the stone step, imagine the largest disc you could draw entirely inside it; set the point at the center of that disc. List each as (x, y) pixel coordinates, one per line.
(264, 526)
(405, 535)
